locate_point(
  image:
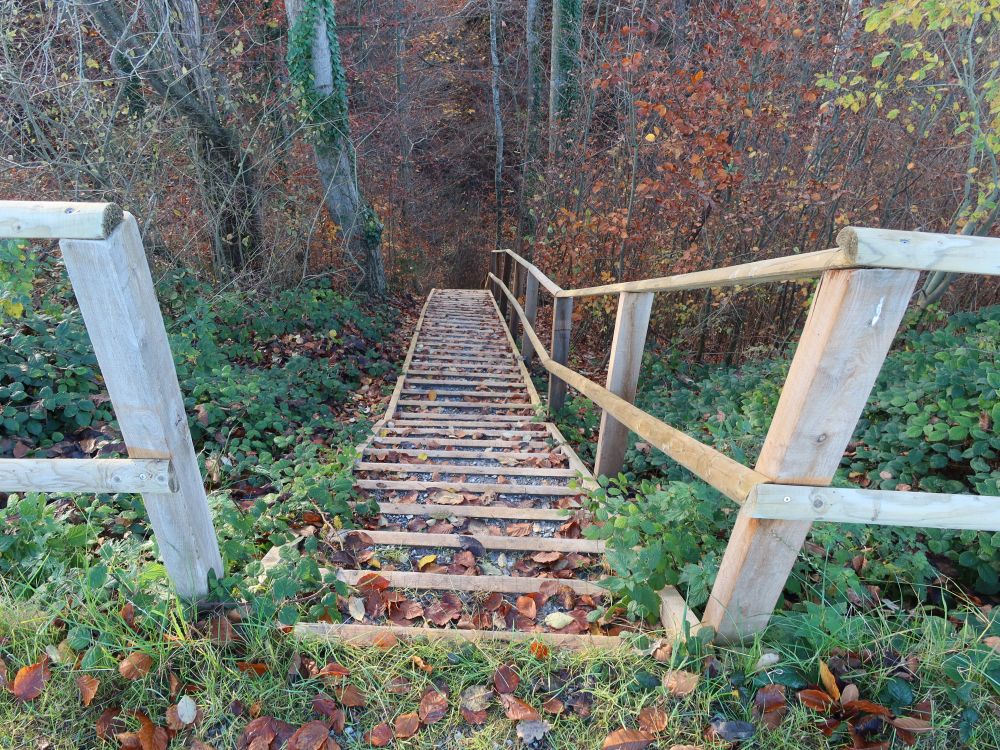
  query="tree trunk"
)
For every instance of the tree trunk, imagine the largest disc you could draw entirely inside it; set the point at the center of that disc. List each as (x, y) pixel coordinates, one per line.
(564, 83)
(317, 70)
(175, 69)
(533, 117)
(497, 121)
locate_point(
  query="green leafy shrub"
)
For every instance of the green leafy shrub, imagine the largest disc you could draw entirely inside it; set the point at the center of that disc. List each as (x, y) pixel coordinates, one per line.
(930, 425)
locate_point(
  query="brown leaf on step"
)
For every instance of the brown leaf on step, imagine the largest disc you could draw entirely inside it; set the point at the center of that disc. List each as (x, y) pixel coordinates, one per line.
(493, 602)
(817, 700)
(679, 682)
(527, 606)
(385, 640)
(349, 696)
(465, 557)
(828, 680)
(29, 682)
(627, 739)
(505, 679)
(517, 710)
(518, 529)
(448, 497)
(652, 719)
(407, 725)
(87, 685)
(546, 557)
(310, 736)
(379, 735)
(221, 632)
(372, 582)
(433, 706)
(135, 666)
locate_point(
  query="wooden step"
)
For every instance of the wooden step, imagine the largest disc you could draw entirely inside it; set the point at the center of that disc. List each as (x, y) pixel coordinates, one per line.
(475, 487)
(485, 541)
(424, 454)
(519, 471)
(505, 512)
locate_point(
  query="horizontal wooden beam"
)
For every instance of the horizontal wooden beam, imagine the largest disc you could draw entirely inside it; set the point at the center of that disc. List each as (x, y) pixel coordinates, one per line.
(507, 512)
(486, 541)
(921, 251)
(406, 579)
(552, 287)
(501, 489)
(427, 468)
(730, 477)
(883, 507)
(367, 635)
(804, 266)
(86, 475)
(58, 220)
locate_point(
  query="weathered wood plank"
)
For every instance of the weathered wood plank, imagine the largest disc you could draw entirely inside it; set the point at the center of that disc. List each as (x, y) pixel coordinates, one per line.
(627, 346)
(58, 220)
(86, 475)
(888, 508)
(486, 541)
(924, 251)
(506, 512)
(113, 285)
(520, 471)
(478, 487)
(848, 331)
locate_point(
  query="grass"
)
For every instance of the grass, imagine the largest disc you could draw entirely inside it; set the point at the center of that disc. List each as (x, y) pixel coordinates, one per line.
(954, 667)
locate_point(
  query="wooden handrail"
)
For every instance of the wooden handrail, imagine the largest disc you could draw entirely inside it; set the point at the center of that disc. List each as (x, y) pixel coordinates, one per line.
(58, 220)
(730, 477)
(87, 475)
(554, 289)
(857, 247)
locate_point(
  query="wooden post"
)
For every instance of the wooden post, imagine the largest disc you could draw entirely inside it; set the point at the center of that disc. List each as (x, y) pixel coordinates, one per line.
(848, 331)
(627, 345)
(513, 321)
(113, 285)
(494, 271)
(530, 312)
(562, 324)
(505, 264)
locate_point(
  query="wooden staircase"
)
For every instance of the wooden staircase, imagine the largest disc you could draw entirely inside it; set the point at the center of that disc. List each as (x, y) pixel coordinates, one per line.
(463, 463)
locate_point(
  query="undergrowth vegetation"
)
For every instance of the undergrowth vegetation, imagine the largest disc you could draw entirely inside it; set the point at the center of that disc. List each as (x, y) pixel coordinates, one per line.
(930, 425)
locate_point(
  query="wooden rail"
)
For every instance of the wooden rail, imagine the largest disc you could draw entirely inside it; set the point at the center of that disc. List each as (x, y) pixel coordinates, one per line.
(107, 267)
(865, 286)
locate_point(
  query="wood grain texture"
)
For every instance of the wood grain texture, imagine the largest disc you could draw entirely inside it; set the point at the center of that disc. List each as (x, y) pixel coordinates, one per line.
(58, 220)
(112, 283)
(888, 508)
(924, 251)
(848, 331)
(562, 326)
(627, 346)
(86, 475)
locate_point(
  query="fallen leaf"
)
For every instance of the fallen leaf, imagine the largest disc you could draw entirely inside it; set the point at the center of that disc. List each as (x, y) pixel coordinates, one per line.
(187, 710)
(730, 731)
(334, 672)
(527, 606)
(380, 735)
(87, 685)
(3, 673)
(553, 706)
(829, 681)
(426, 560)
(679, 682)
(447, 497)
(505, 679)
(151, 737)
(407, 725)
(849, 694)
(517, 710)
(530, 732)
(108, 723)
(349, 696)
(539, 650)
(29, 682)
(765, 661)
(627, 739)
(221, 632)
(817, 700)
(653, 719)
(558, 620)
(912, 725)
(356, 608)
(256, 667)
(135, 666)
(433, 706)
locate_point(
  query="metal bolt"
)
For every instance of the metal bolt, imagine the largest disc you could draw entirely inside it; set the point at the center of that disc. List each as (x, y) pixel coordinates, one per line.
(787, 499)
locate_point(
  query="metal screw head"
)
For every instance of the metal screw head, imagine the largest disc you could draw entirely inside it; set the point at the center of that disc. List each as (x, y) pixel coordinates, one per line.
(787, 499)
